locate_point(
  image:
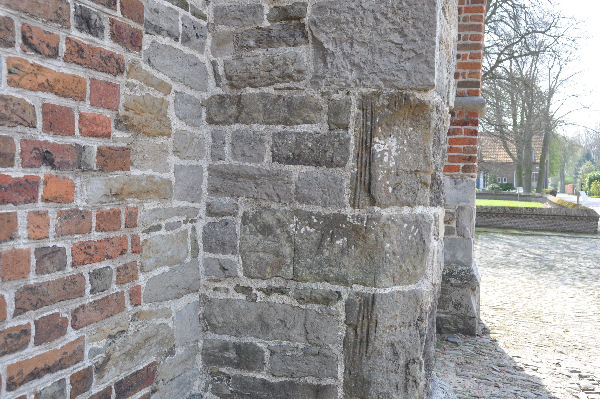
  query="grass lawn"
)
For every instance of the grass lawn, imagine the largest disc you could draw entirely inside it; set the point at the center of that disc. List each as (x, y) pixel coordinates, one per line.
(514, 204)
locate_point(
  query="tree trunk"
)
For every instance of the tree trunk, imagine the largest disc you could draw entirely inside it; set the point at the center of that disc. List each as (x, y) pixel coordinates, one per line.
(541, 183)
(561, 188)
(527, 167)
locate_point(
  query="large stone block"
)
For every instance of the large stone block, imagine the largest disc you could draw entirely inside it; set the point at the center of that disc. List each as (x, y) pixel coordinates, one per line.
(250, 182)
(459, 191)
(249, 147)
(458, 250)
(193, 34)
(189, 145)
(238, 355)
(373, 44)
(219, 269)
(320, 188)
(330, 149)
(238, 14)
(178, 65)
(239, 386)
(101, 190)
(220, 237)
(286, 361)
(188, 183)
(188, 109)
(270, 321)
(274, 36)
(161, 20)
(174, 283)
(385, 344)
(144, 114)
(187, 324)
(263, 108)
(372, 250)
(265, 70)
(164, 250)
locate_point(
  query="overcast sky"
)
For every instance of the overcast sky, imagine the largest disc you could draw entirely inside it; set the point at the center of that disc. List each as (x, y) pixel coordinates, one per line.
(587, 82)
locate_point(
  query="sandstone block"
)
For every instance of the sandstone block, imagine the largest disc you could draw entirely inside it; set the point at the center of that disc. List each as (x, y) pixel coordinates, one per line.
(277, 35)
(145, 114)
(178, 65)
(189, 145)
(266, 70)
(287, 12)
(174, 283)
(188, 109)
(188, 183)
(137, 72)
(238, 14)
(122, 188)
(330, 149)
(164, 250)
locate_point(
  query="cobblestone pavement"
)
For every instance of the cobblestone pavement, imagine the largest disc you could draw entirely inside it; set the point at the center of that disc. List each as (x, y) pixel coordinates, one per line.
(540, 305)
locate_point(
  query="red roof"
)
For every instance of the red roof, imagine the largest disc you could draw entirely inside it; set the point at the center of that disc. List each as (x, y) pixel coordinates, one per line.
(491, 149)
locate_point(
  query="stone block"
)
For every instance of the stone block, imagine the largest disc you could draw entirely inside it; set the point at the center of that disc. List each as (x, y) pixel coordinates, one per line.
(56, 390)
(148, 154)
(176, 375)
(187, 324)
(239, 386)
(174, 283)
(178, 65)
(219, 269)
(458, 250)
(320, 188)
(238, 14)
(100, 279)
(465, 221)
(459, 191)
(161, 20)
(400, 53)
(137, 72)
(102, 190)
(286, 361)
(277, 35)
(267, 70)
(221, 44)
(263, 109)
(218, 207)
(88, 21)
(251, 182)
(338, 113)
(315, 296)
(248, 147)
(218, 148)
(193, 34)
(287, 12)
(189, 145)
(188, 183)
(144, 114)
(164, 250)
(220, 237)
(158, 215)
(238, 355)
(240, 318)
(188, 109)
(384, 344)
(330, 149)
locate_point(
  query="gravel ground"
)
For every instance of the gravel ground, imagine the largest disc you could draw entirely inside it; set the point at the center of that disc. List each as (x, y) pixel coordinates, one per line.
(540, 307)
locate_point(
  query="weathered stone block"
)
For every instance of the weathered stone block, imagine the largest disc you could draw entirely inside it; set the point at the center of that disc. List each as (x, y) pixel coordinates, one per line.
(158, 215)
(320, 188)
(188, 109)
(286, 361)
(239, 355)
(338, 113)
(316, 296)
(250, 182)
(88, 21)
(238, 386)
(221, 207)
(458, 250)
(193, 34)
(164, 250)
(399, 53)
(122, 188)
(249, 147)
(187, 324)
(56, 390)
(222, 44)
(384, 344)
(330, 149)
(265, 70)
(189, 145)
(188, 183)
(176, 375)
(218, 148)
(220, 237)
(455, 190)
(219, 269)
(145, 115)
(287, 12)
(238, 14)
(262, 108)
(137, 72)
(465, 221)
(277, 35)
(178, 65)
(100, 279)
(239, 318)
(161, 20)
(174, 283)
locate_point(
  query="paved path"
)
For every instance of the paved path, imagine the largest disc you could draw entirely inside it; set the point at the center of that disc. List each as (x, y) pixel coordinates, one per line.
(540, 303)
(593, 203)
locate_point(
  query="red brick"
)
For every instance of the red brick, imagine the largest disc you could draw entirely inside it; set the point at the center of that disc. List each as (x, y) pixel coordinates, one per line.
(9, 228)
(46, 363)
(15, 264)
(462, 141)
(108, 220)
(471, 132)
(110, 159)
(136, 381)
(461, 158)
(50, 328)
(126, 35)
(39, 295)
(58, 119)
(38, 225)
(15, 111)
(451, 168)
(131, 216)
(469, 150)
(112, 4)
(73, 221)
(58, 189)
(81, 381)
(14, 339)
(85, 252)
(35, 153)
(54, 11)
(94, 125)
(104, 94)
(127, 273)
(7, 32)
(37, 40)
(97, 310)
(134, 10)
(136, 246)
(464, 122)
(18, 190)
(93, 57)
(31, 76)
(50, 259)
(469, 168)
(454, 150)
(469, 65)
(7, 152)
(135, 295)
(106, 393)
(2, 308)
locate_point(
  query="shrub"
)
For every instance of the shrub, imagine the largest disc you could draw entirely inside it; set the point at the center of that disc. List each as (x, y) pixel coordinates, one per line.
(587, 168)
(595, 189)
(588, 180)
(551, 191)
(494, 187)
(507, 187)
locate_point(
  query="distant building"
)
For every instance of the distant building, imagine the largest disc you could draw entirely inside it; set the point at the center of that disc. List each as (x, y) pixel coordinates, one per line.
(494, 161)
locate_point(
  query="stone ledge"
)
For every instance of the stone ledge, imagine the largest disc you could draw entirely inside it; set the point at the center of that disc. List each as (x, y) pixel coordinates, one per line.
(476, 104)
